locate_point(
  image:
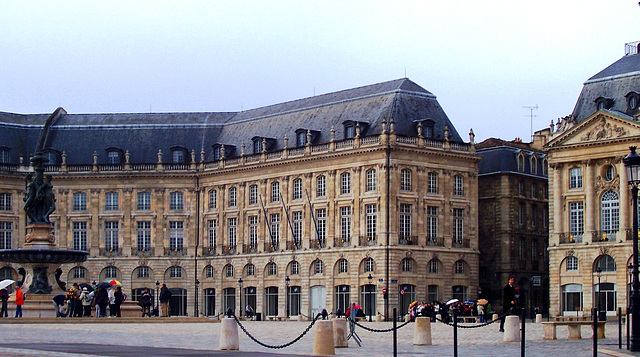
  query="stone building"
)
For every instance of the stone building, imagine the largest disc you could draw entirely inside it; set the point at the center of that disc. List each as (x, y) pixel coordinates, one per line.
(589, 197)
(513, 221)
(291, 208)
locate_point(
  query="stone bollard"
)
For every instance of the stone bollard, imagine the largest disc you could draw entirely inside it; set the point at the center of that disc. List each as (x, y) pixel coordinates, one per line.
(494, 317)
(340, 332)
(299, 317)
(229, 334)
(323, 340)
(538, 318)
(407, 318)
(378, 318)
(422, 334)
(511, 329)
(438, 317)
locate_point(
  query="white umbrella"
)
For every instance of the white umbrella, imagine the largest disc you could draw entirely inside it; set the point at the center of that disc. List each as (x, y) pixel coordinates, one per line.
(452, 301)
(5, 283)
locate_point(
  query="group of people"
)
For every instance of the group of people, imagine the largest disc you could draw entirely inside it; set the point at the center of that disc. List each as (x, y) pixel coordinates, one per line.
(19, 301)
(79, 302)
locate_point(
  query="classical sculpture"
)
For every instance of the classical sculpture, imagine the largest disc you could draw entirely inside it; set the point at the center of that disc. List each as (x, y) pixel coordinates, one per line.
(39, 200)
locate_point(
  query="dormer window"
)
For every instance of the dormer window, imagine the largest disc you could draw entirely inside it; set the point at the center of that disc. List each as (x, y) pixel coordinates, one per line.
(260, 141)
(178, 154)
(351, 126)
(52, 156)
(4, 155)
(603, 103)
(114, 155)
(218, 151)
(427, 127)
(301, 136)
(633, 99)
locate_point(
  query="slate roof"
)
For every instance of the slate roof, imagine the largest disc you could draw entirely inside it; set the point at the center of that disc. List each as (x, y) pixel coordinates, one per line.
(613, 82)
(500, 156)
(79, 135)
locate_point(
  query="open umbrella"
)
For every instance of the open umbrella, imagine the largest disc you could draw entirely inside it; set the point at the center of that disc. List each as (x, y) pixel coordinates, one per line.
(413, 304)
(113, 282)
(85, 285)
(483, 301)
(104, 285)
(5, 283)
(452, 301)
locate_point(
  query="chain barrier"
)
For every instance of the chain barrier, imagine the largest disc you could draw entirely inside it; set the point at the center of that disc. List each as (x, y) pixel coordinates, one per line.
(475, 326)
(278, 346)
(377, 330)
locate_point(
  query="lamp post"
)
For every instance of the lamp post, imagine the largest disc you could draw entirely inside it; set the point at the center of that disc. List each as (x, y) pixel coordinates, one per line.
(158, 297)
(370, 302)
(599, 274)
(286, 281)
(196, 311)
(632, 165)
(240, 292)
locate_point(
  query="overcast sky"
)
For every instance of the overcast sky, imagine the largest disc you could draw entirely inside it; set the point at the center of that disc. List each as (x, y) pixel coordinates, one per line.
(484, 60)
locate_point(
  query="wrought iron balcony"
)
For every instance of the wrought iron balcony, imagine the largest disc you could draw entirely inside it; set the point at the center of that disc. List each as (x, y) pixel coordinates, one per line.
(408, 240)
(293, 245)
(110, 252)
(435, 242)
(174, 252)
(460, 243)
(249, 248)
(629, 234)
(367, 240)
(228, 249)
(568, 238)
(208, 251)
(317, 244)
(341, 242)
(603, 237)
(271, 246)
(148, 252)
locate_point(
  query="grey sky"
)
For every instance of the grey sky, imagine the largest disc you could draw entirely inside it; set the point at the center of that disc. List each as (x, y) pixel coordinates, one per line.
(484, 60)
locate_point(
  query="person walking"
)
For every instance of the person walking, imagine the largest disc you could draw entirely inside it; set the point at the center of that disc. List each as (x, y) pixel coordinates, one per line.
(19, 301)
(508, 301)
(165, 296)
(4, 296)
(145, 303)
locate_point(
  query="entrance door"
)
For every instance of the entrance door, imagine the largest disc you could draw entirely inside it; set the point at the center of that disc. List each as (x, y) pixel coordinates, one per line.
(209, 302)
(178, 302)
(318, 299)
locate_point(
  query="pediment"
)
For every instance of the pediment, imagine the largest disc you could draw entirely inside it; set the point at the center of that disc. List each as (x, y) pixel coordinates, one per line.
(600, 127)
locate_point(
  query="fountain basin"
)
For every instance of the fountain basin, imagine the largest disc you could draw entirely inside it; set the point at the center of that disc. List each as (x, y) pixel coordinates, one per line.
(43, 256)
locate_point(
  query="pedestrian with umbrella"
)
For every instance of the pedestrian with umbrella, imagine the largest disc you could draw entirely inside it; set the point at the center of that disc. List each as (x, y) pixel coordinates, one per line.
(4, 296)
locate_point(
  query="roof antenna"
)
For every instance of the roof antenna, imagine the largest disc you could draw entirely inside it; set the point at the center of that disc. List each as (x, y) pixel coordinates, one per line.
(531, 116)
(405, 72)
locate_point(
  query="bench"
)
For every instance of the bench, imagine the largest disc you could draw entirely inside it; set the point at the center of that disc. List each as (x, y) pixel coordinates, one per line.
(572, 318)
(575, 328)
(277, 318)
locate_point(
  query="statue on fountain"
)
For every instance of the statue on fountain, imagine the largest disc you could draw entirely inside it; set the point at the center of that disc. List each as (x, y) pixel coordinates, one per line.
(39, 200)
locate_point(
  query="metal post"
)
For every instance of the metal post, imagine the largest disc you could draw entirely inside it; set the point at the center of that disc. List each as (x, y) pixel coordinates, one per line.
(370, 302)
(595, 332)
(240, 292)
(632, 165)
(395, 333)
(619, 328)
(522, 339)
(455, 331)
(628, 322)
(196, 309)
(158, 297)
(286, 282)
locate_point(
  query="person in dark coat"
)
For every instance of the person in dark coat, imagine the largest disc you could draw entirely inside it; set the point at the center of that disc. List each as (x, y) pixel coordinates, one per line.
(508, 301)
(165, 296)
(58, 302)
(102, 300)
(145, 303)
(120, 297)
(4, 296)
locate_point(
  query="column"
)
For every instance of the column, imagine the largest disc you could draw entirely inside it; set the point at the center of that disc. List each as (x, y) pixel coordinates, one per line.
(557, 202)
(590, 202)
(625, 200)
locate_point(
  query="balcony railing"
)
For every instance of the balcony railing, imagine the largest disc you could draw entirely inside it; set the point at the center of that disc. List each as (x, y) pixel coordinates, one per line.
(110, 252)
(249, 248)
(174, 252)
(408, 240)
(629, 234)
(367, 240)
(208, 251)
(293, 245)
(460, 243)
(603, 237)
(228, 249)
(317, 244)
(148, 252)
(435, 242)
(342, 242)
(271, 247)
(568, 238)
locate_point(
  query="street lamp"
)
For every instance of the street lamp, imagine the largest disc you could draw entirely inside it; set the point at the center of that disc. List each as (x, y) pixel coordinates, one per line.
(240, 284)
(370, 302)
(286, 281)
(158, 297)
(632, 164)
(196, 311)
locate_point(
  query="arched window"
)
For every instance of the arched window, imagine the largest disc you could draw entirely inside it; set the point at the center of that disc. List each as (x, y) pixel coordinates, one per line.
(295, 268)
(368, 265)
(605, 263)
(459, 267)
(272, 269)
(521, 162)
(175, 272)
(318, 267)
(572, 263)
(79, 273)
(406, 265)
(534, 164)
(609, 215)
(209, 273)
(433, 266)
(228, 271)
(343, 266)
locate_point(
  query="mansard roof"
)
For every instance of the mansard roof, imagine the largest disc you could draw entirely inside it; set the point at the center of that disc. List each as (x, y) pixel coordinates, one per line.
(612, 84)
(143, 134)
(500, 156)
